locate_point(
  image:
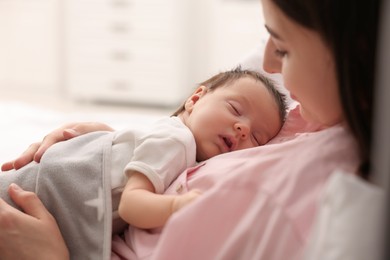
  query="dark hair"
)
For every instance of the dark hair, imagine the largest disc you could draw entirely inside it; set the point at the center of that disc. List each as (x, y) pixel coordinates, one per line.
(228, 77)
(349, 28)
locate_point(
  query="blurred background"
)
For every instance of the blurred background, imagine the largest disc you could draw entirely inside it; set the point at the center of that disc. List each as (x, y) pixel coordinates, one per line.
(114, 61)
(132, 52)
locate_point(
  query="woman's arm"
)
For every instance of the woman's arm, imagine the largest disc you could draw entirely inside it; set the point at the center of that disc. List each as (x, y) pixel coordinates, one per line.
(32, 234)
(140, 206)
(35, 151)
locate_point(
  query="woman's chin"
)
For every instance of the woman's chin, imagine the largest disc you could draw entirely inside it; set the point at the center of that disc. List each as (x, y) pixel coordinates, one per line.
(308, 117)
(321, 123)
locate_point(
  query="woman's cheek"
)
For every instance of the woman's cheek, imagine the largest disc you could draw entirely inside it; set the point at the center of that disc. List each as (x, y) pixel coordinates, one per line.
(288, 81)
(294, 79)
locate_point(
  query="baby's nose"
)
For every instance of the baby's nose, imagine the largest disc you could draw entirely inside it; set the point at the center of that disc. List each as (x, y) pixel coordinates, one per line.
(242, 130)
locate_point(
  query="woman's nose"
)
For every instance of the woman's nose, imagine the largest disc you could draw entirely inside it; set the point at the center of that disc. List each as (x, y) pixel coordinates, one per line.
(271, 62)
(242, 130)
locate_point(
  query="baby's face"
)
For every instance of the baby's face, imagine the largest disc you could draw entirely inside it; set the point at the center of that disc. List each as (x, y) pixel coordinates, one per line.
(241, 115)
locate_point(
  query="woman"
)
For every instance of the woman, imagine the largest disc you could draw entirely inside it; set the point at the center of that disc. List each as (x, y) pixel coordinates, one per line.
(261, 203)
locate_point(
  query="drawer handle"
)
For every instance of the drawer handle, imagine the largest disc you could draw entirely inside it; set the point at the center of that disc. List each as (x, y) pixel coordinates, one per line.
(120, 86)
(120, 28)
(121, 3)
(120, 55)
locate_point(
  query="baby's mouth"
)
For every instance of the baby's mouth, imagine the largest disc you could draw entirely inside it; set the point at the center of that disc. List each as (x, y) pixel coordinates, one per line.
(228, 142)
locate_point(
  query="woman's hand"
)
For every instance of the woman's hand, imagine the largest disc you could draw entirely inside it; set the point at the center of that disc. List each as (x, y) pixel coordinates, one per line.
(32, 234)
(35, 151)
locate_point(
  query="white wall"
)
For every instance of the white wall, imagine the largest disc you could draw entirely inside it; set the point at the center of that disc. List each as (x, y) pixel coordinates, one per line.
(29, 56)
(31, 40)
(237, 27)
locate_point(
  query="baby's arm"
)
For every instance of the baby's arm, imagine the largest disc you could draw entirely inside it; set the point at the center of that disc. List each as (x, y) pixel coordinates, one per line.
(141, 207)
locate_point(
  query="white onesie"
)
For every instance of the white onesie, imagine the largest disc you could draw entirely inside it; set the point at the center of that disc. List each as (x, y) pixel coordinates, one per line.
(161, 152)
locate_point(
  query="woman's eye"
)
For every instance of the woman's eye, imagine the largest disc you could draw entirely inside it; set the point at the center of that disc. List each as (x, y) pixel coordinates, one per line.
(280, 53)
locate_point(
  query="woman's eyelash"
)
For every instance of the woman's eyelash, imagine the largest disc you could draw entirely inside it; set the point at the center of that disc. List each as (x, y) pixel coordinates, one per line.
(280, 53)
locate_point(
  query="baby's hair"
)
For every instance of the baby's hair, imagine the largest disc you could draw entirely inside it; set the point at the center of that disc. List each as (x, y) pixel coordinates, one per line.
(227, 77)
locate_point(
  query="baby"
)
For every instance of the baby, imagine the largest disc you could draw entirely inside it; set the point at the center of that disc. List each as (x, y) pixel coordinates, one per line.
(233, 110)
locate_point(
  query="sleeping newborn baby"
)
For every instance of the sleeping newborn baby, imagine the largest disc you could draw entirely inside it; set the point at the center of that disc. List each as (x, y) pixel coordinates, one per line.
(95, 184)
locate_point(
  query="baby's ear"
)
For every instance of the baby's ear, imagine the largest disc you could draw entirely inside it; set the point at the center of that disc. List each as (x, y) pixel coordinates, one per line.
(191, 101)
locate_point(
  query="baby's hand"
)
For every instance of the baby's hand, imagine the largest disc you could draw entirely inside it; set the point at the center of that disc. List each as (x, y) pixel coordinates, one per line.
(182, 200)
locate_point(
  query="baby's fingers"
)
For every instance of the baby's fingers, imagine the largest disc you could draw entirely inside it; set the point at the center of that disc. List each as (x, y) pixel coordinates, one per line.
(185, 199)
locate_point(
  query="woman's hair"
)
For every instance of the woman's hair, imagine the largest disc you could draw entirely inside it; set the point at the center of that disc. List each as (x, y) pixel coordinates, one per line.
(350, 29)
(228, 77)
